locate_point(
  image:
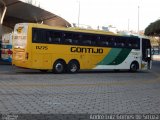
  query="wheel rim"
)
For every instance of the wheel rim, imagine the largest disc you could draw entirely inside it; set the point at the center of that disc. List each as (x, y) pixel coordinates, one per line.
(59, 67)
(73, 68)
(133, 67)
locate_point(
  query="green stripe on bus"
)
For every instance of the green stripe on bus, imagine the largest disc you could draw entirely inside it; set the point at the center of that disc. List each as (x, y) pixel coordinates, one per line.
(121, 56)
(112, 55)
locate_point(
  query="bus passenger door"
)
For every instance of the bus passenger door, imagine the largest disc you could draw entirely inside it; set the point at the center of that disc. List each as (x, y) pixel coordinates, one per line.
(146, 52)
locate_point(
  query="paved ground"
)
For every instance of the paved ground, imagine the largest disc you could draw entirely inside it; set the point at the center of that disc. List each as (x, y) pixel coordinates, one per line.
(28, 91)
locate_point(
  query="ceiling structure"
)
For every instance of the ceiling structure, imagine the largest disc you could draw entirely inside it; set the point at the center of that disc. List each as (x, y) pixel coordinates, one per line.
(18, 11)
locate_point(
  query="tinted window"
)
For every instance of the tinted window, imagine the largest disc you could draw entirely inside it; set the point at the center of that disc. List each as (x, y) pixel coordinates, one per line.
(38, 35)
(57, 37)
(86, 39)
(67, 38)
(106, 41)
(133, 43)
(46, 36)
(120, 42)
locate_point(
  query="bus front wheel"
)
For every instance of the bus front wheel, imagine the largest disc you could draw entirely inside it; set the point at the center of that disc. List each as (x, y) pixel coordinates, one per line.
(134, 67)
(73, 66)
(59, 66)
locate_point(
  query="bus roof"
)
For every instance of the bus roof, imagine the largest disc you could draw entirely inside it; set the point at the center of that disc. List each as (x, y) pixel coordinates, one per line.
(81, 30)
(73, 29)
(137, 36)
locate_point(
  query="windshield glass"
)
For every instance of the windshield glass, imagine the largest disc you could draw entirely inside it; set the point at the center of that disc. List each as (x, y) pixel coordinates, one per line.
(20, 35)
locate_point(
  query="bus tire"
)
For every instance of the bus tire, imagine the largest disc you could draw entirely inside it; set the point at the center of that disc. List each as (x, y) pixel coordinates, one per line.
(59, 66)
(73, 66)
(134, 66)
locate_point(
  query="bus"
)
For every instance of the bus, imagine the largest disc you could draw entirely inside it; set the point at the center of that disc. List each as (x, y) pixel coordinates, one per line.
(6, 48)
(42, 47)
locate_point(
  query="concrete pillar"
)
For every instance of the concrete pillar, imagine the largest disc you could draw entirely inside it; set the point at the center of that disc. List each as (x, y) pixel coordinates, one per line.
(3, 29)
(0, 32)
(1, 11)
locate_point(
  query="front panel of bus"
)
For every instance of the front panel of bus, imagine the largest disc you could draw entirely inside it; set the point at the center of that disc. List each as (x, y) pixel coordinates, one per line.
(146, 54)
(20, 49)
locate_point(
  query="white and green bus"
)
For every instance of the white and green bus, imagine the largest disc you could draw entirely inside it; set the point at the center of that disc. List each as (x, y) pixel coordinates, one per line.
(38, 46)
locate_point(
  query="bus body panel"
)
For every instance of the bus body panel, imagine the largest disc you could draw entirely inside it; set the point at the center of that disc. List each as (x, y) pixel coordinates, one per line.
(133, 55)
(41, 58)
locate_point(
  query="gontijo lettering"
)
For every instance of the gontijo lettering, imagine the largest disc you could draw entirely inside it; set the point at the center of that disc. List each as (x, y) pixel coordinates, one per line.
(86, 50)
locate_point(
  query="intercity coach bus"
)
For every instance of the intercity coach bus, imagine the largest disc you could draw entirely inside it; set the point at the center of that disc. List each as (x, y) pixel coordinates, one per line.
(42, 47)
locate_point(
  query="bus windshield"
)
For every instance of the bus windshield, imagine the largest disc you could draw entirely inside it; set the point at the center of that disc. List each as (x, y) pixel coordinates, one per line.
(20, 36)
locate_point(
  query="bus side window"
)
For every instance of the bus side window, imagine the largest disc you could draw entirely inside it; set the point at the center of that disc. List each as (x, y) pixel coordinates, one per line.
(87, 42)
(120, 41)
(112, 42)
(38, 36)
(106, 41)
(67, 38)
(49, 36)
(94, 40)
(137, 44)
(103, 41)
(34, 35)
(133, 43)
(98, 40)
(86, 39)
(68, 41)
(76, 39)
(57, 37)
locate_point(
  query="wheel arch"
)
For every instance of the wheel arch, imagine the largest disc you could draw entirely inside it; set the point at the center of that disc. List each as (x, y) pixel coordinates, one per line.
(60, 59)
